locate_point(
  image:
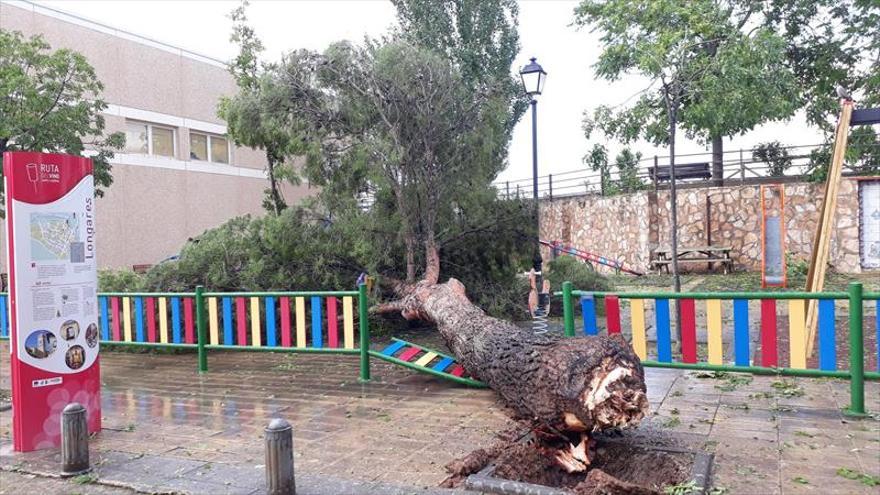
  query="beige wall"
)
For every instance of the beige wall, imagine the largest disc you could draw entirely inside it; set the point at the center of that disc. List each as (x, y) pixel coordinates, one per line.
(155, 203)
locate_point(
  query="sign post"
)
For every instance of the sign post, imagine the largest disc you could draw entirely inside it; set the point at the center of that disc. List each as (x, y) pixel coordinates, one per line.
(50, 245)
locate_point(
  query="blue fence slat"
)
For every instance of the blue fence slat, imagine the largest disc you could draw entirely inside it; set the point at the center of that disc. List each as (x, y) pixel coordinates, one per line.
(4, 322)
(827, 343)
(227, 321)
(175, 319)
(391, 349)
(741, 332)
(317, 331)
(271, 339)
(588, 310)
(139, 319)
(443, 364)
(664, 336)
(105, 318)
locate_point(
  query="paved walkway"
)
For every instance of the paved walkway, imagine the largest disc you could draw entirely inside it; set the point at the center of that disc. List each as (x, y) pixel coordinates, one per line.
(167, 428)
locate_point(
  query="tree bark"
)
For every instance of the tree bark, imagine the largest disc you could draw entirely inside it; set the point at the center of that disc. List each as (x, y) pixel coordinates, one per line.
(717, 160)
(566, 387)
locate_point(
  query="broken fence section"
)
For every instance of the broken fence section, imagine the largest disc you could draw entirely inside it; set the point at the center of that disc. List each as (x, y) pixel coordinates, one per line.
(752, 332)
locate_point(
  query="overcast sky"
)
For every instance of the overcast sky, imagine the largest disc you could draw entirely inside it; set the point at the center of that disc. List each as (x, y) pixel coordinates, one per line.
(545, 32)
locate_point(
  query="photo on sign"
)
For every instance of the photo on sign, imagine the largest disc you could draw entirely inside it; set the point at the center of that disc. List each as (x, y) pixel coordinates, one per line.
(40, 344)
(70, 330)
(92, 335)
(75, 357)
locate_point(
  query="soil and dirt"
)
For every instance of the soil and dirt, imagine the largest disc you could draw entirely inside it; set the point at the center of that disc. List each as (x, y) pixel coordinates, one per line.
(619, 466)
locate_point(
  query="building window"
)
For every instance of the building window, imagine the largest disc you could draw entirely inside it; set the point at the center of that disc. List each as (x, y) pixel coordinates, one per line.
(136, 137)
(208, 147)
(198, 146)
(219, 150)
(149, 139)
(162, 141)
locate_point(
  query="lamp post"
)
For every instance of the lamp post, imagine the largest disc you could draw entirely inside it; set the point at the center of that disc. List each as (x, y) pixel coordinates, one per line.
(533, 77)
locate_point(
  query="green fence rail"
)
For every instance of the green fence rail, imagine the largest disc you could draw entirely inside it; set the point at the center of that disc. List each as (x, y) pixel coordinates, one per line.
(743, 355)
(277, 321)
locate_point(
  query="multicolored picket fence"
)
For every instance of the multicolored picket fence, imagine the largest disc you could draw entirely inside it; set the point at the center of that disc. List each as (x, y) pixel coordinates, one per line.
(741, 330)
(273, 320)
(425, 360)
(319, 322)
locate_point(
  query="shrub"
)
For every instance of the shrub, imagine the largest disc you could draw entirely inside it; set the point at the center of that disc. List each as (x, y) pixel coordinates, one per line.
(120, 281)
(581, 275)
(300, 250)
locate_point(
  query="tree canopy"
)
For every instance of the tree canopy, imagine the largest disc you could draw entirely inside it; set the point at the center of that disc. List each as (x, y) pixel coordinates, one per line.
(729, 74)
(52, 103)
(251, 113)
(746, 63)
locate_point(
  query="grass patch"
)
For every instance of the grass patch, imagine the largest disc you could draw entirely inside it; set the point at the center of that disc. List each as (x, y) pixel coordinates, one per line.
(681, 488)
(865, 479)
(85, 479)
(786, 388)
(800, 480)
(671, 422)
(731, 381)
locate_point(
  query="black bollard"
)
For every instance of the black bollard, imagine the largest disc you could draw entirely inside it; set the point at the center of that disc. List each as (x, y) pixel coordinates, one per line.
(74, 440)
(279, 458)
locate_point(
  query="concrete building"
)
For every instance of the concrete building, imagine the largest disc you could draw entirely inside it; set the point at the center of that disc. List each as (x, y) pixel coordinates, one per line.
(179, 174)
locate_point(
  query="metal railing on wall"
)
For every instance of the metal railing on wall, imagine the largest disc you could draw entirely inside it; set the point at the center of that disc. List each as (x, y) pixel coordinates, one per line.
(739, 167)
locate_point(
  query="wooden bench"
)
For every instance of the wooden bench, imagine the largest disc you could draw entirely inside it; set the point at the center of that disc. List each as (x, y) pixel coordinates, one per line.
(698, 254)
(683, 171)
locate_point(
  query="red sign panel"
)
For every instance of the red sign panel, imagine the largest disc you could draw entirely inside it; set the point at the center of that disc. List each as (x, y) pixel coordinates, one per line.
(50, 226)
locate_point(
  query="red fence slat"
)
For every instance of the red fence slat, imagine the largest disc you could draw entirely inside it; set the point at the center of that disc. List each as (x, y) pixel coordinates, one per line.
(688, 331)
(332, 323)
(241, 317)
(769, 355)
(114, 317)
(285, 322)
(151, 319)
(612, 313)
(188, 321)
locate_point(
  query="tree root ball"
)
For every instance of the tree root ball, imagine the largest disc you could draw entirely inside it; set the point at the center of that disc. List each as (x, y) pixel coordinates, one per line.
(566, 387)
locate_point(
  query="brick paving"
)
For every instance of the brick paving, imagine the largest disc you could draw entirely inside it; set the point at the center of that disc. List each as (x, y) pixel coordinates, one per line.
(168, 428)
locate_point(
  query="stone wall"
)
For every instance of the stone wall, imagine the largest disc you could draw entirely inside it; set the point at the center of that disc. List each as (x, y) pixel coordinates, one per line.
(630, 227)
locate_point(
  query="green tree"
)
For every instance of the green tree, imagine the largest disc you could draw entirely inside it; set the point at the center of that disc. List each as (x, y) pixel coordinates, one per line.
(399, 118)
(775, 156)
(726, 74)
(480, 38)
(627, 164)
(52, 103)
(251, 114)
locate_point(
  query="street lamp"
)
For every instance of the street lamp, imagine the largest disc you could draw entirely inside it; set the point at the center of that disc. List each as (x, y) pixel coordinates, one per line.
(533, 77)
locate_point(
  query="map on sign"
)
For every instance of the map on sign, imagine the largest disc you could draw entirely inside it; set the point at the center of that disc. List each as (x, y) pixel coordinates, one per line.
(55, 237)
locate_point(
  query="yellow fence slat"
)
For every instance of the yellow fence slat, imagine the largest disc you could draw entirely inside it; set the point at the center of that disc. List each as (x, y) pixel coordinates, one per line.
(300, 322)
(348, 322)
(163, 320)
(424, 360)
(637, 318)
(713, 328)
(213, 323)
(255, 322)
(126, 318)
(797, 338)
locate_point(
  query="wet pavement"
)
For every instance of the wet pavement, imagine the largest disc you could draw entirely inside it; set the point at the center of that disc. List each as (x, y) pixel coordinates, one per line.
(168, 429)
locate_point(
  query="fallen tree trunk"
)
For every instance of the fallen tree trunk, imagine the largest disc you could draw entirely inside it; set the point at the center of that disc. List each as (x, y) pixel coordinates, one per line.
(566, 387)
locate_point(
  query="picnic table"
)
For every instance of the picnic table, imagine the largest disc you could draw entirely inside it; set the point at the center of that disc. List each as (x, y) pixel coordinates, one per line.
(696, 254)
